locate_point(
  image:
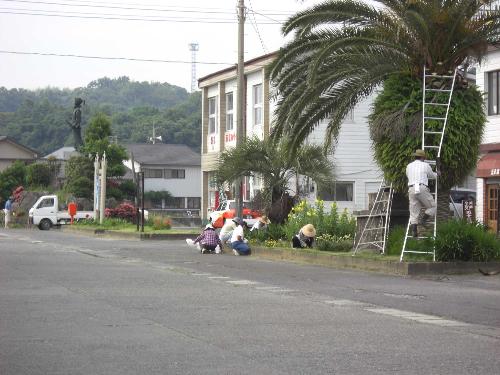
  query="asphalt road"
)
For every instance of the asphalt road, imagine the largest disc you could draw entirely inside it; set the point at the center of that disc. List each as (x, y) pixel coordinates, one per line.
(72, 304)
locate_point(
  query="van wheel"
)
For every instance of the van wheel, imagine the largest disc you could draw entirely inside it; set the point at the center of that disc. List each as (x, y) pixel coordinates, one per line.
(45, 224)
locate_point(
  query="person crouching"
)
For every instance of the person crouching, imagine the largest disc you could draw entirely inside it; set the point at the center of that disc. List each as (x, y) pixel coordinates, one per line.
(238, 242)
(305, 237)
(208, 239)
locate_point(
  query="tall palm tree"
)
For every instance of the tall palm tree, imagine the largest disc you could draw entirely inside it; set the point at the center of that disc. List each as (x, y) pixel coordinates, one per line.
(344, 49)
(276, 165)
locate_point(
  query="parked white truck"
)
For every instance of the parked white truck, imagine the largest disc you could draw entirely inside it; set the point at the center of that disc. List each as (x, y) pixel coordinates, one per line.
(47, 212)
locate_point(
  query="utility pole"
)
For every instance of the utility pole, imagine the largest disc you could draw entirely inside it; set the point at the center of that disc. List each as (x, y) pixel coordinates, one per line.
(241, 97)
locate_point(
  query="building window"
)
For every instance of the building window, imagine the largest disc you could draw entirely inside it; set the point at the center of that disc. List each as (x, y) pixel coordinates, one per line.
(175, 173)
(339, 192)
(212, 115)
(194, 203)
(153, 173)
(176, 202)
(257, 104)
(493, 93)
(229, 111)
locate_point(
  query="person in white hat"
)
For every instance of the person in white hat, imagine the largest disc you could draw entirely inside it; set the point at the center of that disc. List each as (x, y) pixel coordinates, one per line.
(238, 243)
(305, 237)
(262, 223)
(419, 173)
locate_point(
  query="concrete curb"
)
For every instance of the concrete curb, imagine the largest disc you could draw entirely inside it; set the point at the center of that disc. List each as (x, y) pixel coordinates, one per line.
(375, 265)
(105, 233)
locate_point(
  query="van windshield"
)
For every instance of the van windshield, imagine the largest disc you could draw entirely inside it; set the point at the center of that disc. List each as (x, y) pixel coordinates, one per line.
(459, 196)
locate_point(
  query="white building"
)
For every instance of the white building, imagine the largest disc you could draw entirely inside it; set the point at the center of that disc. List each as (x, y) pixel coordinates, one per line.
(356, 173)
(488, 168)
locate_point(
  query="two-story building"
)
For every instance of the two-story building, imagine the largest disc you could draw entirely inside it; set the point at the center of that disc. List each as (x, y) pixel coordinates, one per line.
(356, 173)
(488, 168)
(219, 95)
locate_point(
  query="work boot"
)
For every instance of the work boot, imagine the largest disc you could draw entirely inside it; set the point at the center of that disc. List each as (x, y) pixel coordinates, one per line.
(414, 230)
(425, 218)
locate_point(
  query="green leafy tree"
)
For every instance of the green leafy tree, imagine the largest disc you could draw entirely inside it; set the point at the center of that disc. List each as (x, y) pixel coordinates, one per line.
(12, 177)
(79, 171)
(38, 174)
(97, 142)
(275, 164)
(343, 50)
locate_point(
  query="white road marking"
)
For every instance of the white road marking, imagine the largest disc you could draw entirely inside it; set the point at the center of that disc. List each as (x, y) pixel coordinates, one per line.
(421, 318)
(270, 288)
(218, 277)
(242, 282)
(344, 302)
(200, 274)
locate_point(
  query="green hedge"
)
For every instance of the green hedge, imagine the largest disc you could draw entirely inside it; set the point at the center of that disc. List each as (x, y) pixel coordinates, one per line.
(455, 241)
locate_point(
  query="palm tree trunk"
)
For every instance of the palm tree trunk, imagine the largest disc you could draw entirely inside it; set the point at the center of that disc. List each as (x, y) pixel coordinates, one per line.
(443, 206)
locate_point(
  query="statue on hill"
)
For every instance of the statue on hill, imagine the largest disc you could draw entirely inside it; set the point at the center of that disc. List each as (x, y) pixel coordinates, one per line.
(76, 122)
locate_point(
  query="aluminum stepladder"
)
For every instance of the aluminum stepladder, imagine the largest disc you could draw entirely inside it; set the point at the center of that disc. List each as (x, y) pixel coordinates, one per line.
(375, 231)
(437, 93)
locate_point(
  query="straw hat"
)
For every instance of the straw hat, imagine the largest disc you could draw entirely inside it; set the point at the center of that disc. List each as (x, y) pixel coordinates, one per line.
(308, 230)
(419, 153)
(264, 220)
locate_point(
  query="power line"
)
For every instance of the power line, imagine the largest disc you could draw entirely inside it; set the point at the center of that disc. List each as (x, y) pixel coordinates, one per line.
(132, 18)
(113, 58)
(256, 28)
(156, 9)
(73, 13)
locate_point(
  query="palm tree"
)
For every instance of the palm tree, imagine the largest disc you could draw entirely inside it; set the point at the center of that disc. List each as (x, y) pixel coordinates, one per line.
(276, 165)
(344, 49)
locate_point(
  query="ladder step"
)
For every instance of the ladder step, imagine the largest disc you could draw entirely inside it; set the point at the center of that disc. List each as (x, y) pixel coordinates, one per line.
(437, 76)
(440, 104)
(434, 118)
(419, 252)
(431, 162)
(431, 147)
(432, 132)
(375, 228)
(439, 90)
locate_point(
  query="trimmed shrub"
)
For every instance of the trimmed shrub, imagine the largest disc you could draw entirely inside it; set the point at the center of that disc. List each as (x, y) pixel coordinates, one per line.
(328, 242)
(460, 241)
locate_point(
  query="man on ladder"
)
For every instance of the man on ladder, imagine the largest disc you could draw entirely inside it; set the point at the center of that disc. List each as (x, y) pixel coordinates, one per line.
(419, 173)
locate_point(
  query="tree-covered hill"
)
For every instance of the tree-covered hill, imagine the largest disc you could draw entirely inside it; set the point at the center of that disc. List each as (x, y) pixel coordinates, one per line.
(37, 118)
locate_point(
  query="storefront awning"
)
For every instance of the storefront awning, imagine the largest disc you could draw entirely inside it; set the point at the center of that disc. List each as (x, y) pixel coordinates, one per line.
(489, 165)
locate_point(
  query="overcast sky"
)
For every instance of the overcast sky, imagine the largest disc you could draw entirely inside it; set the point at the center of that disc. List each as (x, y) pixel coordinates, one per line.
(160, 30)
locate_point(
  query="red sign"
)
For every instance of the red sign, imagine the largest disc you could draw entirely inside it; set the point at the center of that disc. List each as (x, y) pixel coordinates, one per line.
(230, 137)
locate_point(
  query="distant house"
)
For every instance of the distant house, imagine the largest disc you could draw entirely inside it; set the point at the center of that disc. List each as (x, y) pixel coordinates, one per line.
(60, 157)
(169, 167)
(11, 151)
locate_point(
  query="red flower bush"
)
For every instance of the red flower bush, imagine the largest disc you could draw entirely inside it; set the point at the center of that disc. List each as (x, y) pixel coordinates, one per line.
(124, 211)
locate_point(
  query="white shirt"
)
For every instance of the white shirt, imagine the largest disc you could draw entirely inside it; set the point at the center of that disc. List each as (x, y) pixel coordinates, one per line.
(237, 232)
(227, 228)
(419, 172)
